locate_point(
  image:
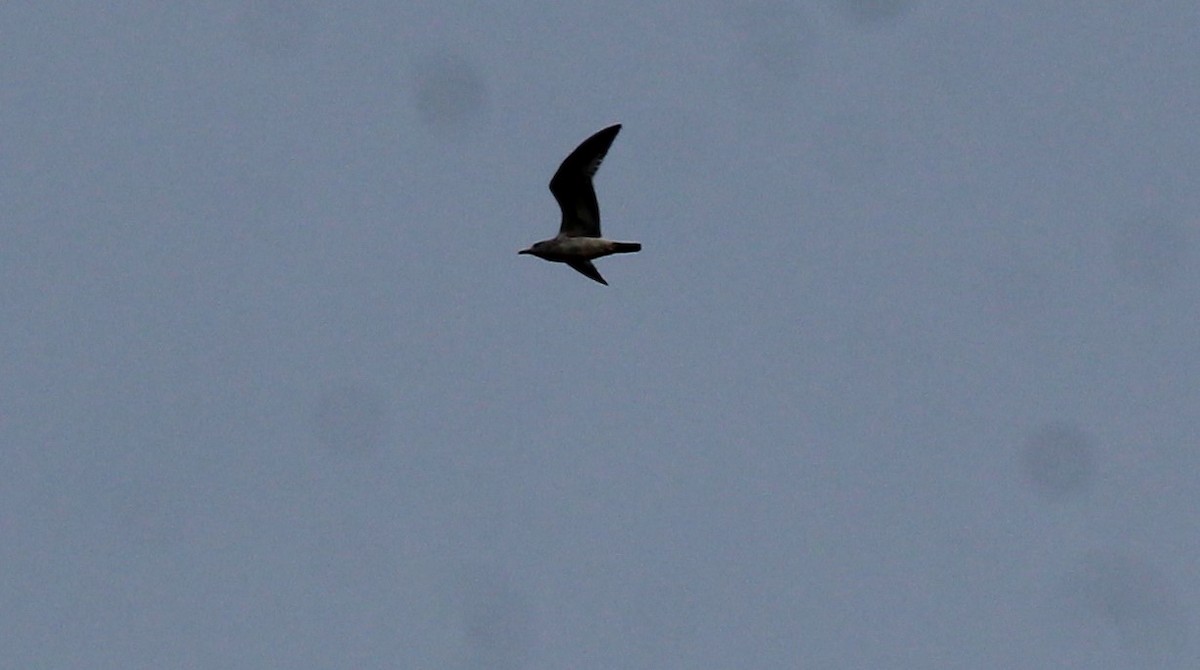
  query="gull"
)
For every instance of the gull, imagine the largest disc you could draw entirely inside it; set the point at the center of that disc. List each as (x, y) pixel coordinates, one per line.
(578, 241)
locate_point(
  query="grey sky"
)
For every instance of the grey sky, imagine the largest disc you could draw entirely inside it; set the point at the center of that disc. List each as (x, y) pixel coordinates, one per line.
(905, 376)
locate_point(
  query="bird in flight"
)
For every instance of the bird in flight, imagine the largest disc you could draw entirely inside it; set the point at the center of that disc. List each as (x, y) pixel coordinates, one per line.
(578, 242)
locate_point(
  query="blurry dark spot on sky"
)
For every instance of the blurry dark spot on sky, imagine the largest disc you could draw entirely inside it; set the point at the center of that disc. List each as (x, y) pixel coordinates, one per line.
(496, 621)
(351, 418)
(450, 91)
(876, 11)
(1136, 601)
(278, 28)
(1059, 461)
(774, 36)
(1150, 251)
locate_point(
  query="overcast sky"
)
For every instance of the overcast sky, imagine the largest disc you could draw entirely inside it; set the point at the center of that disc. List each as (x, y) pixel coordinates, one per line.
(906, 376)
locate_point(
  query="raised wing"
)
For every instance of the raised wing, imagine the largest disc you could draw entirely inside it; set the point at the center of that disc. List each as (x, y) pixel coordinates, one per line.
(572, 185)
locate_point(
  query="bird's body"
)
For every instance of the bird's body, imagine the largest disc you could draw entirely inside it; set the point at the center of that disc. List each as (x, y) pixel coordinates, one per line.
(578, 241)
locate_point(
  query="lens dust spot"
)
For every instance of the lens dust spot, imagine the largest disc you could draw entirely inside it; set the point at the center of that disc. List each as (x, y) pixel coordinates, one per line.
(149, 514)
(496, 621)
(1135, 601)
(1059, 461)
(278, 28)
(773, 36)
(870, 12)
(351, 418)
(1150, 251)
(450, 91)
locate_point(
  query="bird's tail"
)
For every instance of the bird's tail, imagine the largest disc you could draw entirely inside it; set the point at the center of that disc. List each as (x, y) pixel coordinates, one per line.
(626, 247)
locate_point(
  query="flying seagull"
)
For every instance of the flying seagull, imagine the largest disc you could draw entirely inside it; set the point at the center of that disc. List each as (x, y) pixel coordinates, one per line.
(578, 241)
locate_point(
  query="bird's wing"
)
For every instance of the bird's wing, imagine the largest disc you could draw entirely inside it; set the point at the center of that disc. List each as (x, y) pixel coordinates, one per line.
(588, 270)
(572, 185)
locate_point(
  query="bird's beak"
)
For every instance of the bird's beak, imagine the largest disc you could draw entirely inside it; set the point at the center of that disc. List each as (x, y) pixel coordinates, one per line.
(525, 251)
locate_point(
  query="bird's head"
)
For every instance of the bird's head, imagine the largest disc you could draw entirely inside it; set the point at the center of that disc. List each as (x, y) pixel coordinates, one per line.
(537, 246)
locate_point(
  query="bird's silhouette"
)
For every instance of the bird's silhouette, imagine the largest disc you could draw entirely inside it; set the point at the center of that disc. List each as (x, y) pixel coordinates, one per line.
(578, 242)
